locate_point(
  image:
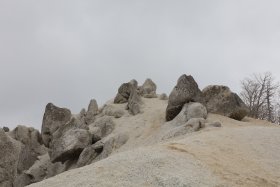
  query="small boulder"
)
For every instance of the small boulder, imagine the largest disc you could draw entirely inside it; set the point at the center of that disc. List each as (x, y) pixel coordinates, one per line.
(53, 118)
(124, 92)
(220, 100)
(109, 144)
(6, 129)
(163, 97)
(92, 112)
(89, 154)
(148, 89)
(102, 127)
(189, 111)
(41, 169)
(184, 92)
(193, 125)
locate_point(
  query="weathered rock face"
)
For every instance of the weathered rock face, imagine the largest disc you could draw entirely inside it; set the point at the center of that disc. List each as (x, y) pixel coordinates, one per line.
(185, 91)
(124, 92)
(110, 110)
(69, 141)
(31, 146)
(92, 111)
(22, 180)
(189, 111)
(194, 124)
(220, 100)
(134, 83)
(102, 127)
(10, 150)
(53, 118)
(108, 144)
(43, 168)
(88, 155)
(148, 89)
(134, 103)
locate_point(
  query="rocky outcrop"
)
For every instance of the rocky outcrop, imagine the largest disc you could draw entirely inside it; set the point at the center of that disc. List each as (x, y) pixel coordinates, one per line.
(220, 100)
(124, 92)
(148, 89)
(69, 141)
(184, 92)
(89, 154)
(102, 127)
(134, 102)
(53, 118)
(44, 168)
(31, 146)
(10, 150)
(92, 112)
(109, 144)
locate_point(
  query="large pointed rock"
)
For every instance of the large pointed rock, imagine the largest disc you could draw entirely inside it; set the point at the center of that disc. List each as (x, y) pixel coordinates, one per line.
(220, 100)
(92, 111)
(53, 118)
(184, 92)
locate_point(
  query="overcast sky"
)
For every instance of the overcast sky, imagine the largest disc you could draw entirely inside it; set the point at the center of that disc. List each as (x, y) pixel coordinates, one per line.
(68, 51)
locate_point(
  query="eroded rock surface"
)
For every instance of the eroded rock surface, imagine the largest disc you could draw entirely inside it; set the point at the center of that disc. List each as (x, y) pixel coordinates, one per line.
(92, 112)
(184, 92)
(53, 118)
(220, 100)
(10, 150)
(69, 141)
(148, 89)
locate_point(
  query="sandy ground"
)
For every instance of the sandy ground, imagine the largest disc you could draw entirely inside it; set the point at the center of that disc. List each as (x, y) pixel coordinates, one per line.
(237, 154)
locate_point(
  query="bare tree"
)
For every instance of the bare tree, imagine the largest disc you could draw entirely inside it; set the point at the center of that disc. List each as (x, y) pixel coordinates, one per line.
(258, 93)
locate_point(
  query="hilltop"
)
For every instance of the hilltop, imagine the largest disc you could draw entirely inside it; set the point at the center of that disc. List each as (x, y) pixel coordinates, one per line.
(139, 138)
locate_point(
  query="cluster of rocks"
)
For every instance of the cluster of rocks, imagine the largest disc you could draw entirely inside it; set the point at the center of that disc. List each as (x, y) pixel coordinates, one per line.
(188, 106)
(69, 141)
(131, 94)
(217, 99)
